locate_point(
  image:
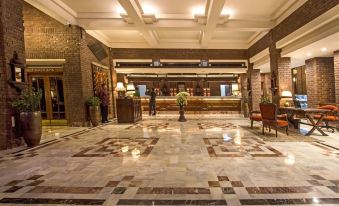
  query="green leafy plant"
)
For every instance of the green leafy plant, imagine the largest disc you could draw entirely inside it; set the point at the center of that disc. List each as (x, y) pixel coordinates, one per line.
(93, 101)
(28, 101)
(182, 98)
(265, 99)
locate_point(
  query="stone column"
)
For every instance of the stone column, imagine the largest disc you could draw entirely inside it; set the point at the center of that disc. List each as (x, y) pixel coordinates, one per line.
(336, 75)
(320, 81)
(11, 39)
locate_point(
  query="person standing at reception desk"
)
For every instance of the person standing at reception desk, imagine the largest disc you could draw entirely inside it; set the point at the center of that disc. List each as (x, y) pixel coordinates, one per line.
(152, 103)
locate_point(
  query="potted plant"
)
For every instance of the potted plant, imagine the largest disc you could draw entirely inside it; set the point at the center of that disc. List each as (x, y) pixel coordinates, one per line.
(93, 104)
(265, 100)
(181, 102)
(30, 117)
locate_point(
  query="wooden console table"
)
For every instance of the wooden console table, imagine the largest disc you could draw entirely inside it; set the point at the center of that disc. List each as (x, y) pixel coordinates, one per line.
(294, 115)
(129, 110)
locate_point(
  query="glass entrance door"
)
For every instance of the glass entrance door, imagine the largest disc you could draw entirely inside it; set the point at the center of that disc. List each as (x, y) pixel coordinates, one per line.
(52, 104)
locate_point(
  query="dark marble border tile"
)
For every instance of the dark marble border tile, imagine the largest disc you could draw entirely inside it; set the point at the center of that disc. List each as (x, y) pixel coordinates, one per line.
(170, 202)
(66, 190)
(300, 201)
(279, 190)
(52, 201)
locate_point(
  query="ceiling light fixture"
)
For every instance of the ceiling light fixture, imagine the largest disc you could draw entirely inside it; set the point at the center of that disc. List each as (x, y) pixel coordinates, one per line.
(120, 10)
(198, 10)
(323, 49)
(227, 11)
(148, 9)
(309, 54)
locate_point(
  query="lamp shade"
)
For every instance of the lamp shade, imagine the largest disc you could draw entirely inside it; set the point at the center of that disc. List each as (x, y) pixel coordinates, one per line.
(286, 94)
(120, 86)
(130, 87)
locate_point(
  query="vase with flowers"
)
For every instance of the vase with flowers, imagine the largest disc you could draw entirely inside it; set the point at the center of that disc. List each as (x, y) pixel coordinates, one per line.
(181, 100)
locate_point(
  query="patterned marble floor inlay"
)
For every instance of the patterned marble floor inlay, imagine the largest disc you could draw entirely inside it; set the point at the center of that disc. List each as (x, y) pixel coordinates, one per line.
(160, 161)
(119, 147)
(254, 147)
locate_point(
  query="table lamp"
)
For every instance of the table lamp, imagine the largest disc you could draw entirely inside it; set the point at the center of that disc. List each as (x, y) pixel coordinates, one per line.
(120, 89)
(130, 89)
(288, 95)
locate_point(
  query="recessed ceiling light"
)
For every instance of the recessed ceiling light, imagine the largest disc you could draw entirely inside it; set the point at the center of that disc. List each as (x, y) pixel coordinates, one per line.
(148, 9)
(120, 10)
(198, 10)
(227, 11)
(309, 54)
(323, 49)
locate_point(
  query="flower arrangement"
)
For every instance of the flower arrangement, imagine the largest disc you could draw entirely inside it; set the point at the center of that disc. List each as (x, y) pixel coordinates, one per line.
(182, 98)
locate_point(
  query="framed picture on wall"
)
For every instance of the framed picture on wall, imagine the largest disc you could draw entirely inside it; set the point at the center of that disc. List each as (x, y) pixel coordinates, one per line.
(100, 76)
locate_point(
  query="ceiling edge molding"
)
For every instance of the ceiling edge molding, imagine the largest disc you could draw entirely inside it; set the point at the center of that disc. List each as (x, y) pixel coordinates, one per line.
(54, 10)
(320, 21)
(322, 32)
(260, 55)
(291, 8)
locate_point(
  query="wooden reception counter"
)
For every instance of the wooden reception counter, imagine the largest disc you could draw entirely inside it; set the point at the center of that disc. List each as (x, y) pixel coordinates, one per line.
(197, 104)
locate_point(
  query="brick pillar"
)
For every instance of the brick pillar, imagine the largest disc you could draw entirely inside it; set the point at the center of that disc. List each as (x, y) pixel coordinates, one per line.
(336, 75)
(320, 81)
(255, 89)
(281, 76)
(11, 39)
(244, 94)
(266, 80)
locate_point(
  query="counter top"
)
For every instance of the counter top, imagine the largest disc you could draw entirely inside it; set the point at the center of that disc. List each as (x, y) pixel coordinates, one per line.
(196, 97)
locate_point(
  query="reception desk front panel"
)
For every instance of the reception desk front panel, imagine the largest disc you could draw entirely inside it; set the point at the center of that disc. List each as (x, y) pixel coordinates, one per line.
(196, 104)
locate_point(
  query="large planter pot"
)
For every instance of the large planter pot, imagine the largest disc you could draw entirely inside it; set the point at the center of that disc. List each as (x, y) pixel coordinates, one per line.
(182, 114)
(31, 128)
(94, 115)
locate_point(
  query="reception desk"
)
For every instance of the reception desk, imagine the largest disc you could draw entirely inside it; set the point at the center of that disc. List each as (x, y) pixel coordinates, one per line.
(196, 104)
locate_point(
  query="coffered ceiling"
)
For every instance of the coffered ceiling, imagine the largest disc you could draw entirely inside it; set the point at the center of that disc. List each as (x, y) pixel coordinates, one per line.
(214, 24)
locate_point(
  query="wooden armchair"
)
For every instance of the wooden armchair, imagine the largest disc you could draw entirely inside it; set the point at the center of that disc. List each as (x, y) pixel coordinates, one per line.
(331, 117)
(270, 118)
(255, 116)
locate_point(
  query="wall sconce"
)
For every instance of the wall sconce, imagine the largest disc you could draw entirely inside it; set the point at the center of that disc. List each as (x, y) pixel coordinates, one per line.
(17, 68)
(120, 89)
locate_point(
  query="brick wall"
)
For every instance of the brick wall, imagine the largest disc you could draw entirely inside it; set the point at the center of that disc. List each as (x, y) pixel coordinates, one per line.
(11, 39)
(336, 75)
(47, 38)
(320, 81)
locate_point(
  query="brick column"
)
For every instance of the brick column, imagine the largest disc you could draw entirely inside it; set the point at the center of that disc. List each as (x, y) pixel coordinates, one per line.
(255, 84)
(244, 93)
(320, 81)
(280, 74)
(11, 39)
(336, 75)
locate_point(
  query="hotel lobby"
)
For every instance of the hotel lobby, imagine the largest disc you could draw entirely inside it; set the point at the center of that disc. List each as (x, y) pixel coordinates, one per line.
(180, 102)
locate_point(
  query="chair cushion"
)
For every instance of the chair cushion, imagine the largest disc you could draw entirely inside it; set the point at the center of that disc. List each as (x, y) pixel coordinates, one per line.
(326, 118)
(329, 107)
(282, 123)
(256, 117)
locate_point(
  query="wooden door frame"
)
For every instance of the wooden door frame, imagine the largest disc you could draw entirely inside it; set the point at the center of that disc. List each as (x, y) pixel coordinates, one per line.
(46, 76)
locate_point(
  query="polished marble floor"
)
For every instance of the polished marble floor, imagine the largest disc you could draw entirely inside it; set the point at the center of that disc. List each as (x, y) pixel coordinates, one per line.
(208, 160)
